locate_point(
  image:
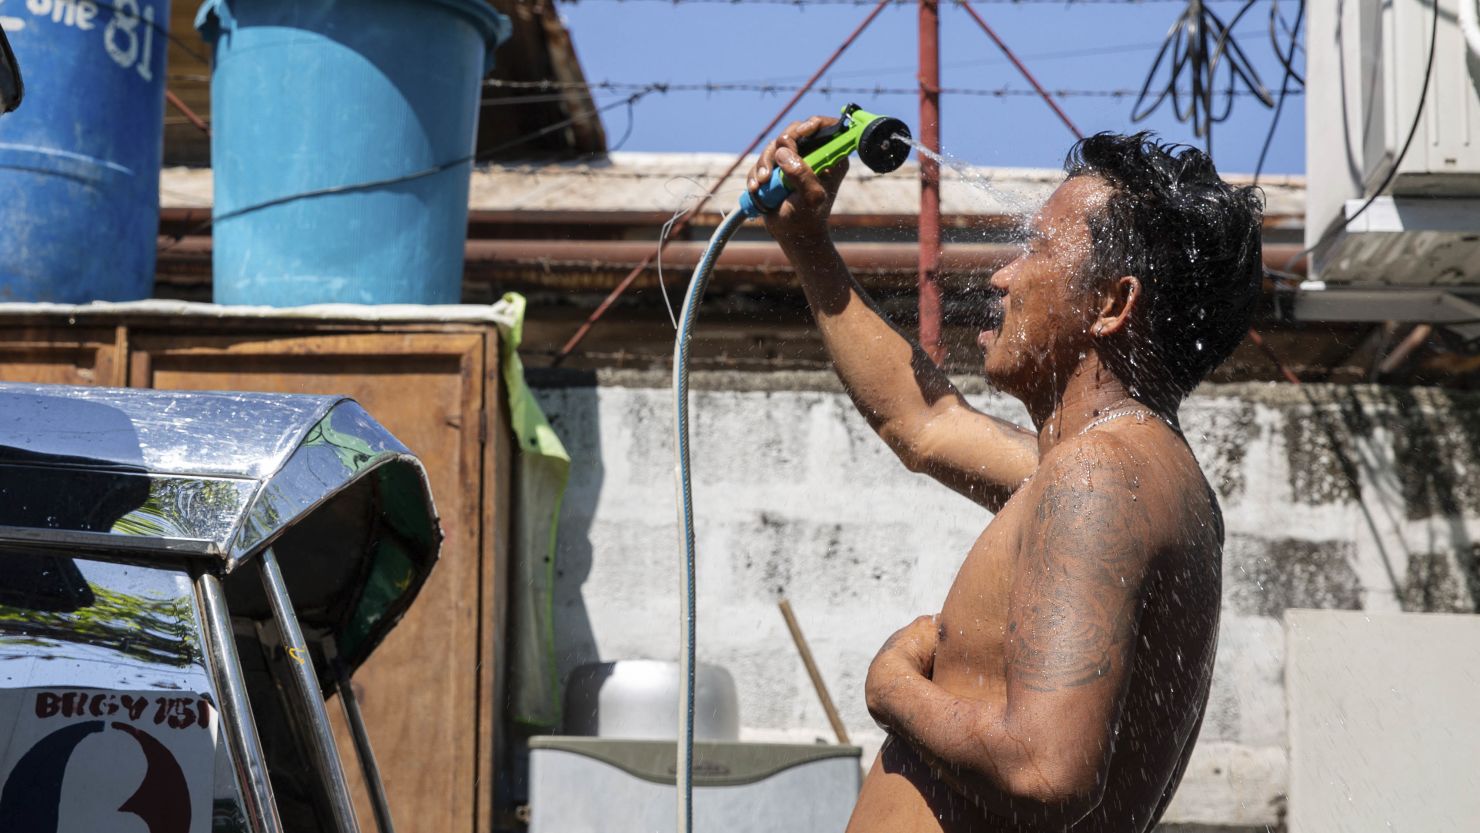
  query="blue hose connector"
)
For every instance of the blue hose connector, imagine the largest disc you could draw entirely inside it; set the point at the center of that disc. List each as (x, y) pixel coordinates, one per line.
(768, 197)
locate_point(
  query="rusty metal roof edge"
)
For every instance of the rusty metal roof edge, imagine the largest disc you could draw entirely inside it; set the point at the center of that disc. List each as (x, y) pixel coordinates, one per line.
(663, 182)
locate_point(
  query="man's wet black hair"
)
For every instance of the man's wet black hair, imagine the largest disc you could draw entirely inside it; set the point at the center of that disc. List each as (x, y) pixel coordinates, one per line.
(1194, 242)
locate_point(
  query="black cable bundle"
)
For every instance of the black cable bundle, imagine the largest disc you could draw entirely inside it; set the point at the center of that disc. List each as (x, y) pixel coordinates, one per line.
(1286, 57)
(1198, 47)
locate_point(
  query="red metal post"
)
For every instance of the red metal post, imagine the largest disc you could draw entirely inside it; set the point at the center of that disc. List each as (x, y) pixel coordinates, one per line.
(930, 181)
(683, 223)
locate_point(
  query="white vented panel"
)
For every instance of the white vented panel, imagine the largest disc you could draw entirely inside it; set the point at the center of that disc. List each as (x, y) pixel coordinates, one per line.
(1364, 74)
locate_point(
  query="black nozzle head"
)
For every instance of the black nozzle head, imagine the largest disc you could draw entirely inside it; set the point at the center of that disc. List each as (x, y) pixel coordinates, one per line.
(883, 147)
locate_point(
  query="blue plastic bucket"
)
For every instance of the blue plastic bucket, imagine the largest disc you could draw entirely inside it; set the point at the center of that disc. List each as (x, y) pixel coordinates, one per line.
(79, 161)
(342, 132)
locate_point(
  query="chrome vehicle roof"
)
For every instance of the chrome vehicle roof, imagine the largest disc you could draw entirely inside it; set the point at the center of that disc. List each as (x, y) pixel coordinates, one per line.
(164, 477)
(240, 435)
(230, 464)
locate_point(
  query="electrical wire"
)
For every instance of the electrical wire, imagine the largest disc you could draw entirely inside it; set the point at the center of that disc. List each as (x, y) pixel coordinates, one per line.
(631, 120)
(694, 196)
(1286, 60)
(562, 124)
(1277, 21)
(1195, 64)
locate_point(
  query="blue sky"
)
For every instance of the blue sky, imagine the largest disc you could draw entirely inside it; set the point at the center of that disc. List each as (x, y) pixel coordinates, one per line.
(1079, 46)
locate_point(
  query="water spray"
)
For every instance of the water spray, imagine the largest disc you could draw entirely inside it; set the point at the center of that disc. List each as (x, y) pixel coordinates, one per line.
(882, 143)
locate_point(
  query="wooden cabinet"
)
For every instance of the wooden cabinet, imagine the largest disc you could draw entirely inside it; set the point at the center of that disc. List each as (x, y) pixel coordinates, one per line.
(59, 355)
(431, 692)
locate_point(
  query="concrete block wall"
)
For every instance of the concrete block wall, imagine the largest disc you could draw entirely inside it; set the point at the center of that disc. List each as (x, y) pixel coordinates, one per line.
(1334, 497)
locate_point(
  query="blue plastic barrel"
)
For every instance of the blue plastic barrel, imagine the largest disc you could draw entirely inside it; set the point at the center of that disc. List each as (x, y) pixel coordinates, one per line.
(79, 161)
(342, 137)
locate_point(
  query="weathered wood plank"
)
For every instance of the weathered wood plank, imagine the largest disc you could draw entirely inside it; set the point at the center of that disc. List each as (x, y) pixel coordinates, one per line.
(58, 355)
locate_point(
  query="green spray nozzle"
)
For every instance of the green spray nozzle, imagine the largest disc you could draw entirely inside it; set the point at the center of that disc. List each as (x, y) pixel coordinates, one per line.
(882, 142)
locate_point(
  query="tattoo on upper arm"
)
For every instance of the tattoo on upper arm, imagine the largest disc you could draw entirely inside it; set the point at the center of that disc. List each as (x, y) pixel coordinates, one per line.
(1081, 573)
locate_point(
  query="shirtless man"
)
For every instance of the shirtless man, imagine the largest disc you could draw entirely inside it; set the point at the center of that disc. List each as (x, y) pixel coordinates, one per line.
(1062, 684)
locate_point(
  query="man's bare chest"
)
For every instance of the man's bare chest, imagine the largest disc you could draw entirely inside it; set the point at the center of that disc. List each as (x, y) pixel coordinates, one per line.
(974, 617)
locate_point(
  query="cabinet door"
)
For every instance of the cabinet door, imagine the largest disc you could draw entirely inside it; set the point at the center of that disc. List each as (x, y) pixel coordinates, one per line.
(60, 355)
(420, 688)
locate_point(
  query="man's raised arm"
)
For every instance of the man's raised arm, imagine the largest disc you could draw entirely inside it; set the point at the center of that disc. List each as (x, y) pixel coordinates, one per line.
(909, 401)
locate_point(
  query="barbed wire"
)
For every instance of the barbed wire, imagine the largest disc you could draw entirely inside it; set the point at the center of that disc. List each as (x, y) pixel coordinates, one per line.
(822, 89)
(578, 170)
(567, 170)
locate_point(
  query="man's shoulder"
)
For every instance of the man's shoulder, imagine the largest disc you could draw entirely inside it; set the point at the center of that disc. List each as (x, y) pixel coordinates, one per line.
(1097, 460)
(1102, 484)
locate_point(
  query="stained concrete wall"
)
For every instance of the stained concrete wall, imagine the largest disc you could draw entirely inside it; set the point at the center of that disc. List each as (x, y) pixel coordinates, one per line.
(1334, 497)
(1402, 683)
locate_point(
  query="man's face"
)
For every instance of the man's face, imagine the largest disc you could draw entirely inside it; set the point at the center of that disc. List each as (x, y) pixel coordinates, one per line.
(1041, 332)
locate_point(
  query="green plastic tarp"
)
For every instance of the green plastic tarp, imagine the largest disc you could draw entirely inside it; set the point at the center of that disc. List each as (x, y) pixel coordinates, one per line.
(541, 470)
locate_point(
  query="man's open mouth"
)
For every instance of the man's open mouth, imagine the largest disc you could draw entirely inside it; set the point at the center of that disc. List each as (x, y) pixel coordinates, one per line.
(990, 317)
(993, 311)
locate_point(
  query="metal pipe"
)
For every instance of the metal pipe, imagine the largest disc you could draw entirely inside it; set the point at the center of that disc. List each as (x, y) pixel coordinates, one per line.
(1042, 93)
(678, 227)
(363, 750)
(310, 699)
(595, 225)
(759, 256)
(741, 255)
(185, 111)
(235, 709)
(929, 234)
(1414, 340)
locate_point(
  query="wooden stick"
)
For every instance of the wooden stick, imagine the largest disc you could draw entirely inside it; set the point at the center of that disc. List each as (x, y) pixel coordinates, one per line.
(827, 704)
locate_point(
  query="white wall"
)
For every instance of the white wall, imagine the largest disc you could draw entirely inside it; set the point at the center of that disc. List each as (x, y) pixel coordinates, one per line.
(1333, 498)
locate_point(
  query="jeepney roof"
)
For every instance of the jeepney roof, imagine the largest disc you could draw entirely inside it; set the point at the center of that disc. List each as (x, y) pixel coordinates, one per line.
(169, 477)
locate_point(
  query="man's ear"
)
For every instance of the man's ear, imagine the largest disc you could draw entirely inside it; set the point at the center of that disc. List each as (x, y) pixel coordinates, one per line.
(1120, 301)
